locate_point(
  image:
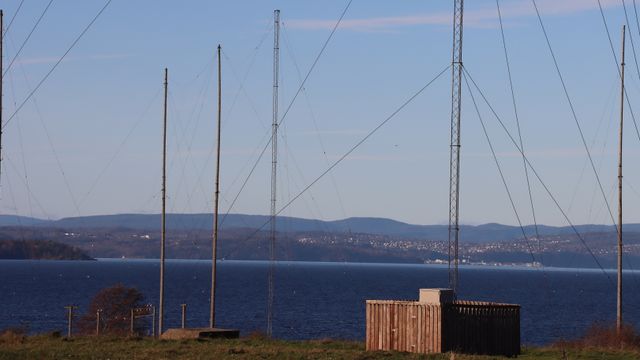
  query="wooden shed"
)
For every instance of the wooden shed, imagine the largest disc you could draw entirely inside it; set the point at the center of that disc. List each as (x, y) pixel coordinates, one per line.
(437, 323)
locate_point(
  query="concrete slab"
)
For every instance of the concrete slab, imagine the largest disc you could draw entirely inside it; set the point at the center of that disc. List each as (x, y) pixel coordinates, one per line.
(200, 333)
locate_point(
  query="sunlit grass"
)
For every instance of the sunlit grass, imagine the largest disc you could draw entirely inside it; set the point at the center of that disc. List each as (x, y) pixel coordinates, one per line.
(18, 346)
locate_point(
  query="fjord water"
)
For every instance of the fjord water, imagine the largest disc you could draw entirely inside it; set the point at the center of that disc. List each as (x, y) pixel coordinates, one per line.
(313, 300)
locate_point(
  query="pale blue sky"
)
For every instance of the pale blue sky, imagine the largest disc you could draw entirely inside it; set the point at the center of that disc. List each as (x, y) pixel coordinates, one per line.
(107, 93)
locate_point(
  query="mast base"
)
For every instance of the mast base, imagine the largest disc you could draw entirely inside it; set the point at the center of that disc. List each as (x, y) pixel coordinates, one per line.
(200, 333)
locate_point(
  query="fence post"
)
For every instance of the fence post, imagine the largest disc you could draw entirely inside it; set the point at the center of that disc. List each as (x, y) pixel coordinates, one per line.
(131, 323)
(153, 321)
(98, 321)
(184, 315)
(70, 319)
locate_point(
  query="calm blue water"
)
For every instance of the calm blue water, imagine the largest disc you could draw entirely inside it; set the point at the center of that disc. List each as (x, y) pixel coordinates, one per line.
(313, 300)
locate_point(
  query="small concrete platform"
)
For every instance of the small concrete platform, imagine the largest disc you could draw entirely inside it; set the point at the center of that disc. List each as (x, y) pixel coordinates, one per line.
(200, 333)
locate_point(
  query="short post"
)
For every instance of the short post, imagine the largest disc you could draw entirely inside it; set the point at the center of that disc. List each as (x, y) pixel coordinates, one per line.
(153, 321)
(98, 312)
(70, 309)
(131, 323)
(184, 315)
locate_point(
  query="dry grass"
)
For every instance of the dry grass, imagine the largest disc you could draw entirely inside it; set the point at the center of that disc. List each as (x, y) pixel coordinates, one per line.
(600, 343)
(12, 336)
(601, 336)
(17, 346)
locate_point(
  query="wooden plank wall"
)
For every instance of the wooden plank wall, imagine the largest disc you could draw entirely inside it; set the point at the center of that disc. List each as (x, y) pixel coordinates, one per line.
(404, 326)
(464, 326)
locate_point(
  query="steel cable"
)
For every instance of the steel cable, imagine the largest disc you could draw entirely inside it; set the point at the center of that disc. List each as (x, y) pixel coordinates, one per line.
(517, 117)
(533, 170)
(350, 151)
(73, 44)
(24, 43)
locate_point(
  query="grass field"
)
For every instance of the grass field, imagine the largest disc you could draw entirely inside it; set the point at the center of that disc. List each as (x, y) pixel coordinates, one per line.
(15, 346)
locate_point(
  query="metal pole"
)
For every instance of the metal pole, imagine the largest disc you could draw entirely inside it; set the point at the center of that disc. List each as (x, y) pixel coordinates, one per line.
(274, 168)
(454, 157)
(183, 307)
(622, 93)
(1, 79)
(164, 204)
(214, 256)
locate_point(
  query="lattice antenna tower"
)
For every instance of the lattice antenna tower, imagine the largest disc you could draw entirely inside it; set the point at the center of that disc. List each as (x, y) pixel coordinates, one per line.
(454, 160)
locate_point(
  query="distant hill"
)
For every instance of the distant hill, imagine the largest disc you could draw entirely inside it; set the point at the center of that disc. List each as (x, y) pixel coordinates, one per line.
(468, 233)
(40, 250)
(352, 240)
(14, 220)
(247, 244)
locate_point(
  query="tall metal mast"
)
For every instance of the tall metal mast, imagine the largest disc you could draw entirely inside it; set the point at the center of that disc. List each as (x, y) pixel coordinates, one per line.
(212, 317)
(622, 93)
(1, 80)
(164, 203)
(274, 167)
(454, 159)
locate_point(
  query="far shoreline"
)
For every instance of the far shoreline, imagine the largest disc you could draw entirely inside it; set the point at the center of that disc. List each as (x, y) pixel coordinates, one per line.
(340, 263)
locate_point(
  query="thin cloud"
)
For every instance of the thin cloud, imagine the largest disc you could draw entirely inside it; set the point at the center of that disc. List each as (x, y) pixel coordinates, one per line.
(51, 59)
(482, 17)
(332, 132)
(385, 158)
(576, 152)
(543, 153)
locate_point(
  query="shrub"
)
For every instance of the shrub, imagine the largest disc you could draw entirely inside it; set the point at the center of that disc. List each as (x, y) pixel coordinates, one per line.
(606, 337)
(115, 303)
(14, 335)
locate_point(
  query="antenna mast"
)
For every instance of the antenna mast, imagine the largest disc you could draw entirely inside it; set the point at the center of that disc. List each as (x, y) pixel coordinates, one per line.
(454, 158)
(164, 203)
(212, 318)
(274, 166)
(1, 80)
(622, 93)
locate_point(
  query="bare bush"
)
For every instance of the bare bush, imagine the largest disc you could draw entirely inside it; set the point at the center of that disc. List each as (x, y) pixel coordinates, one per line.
(13, 335)
(603, 336)
(115, 304)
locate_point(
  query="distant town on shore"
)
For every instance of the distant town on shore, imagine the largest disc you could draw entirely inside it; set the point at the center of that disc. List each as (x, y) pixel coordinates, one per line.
(243, 237)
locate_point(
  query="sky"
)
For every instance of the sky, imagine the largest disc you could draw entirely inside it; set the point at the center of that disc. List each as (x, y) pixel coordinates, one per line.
(89, 140)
